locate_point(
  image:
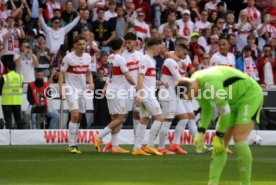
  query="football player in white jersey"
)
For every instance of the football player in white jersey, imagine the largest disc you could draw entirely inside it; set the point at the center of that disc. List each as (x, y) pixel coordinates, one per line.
(171, 104)
(75, 70)
(116, 93)
(184, 66)
(223, 56)
(132, 57)
(146, 100)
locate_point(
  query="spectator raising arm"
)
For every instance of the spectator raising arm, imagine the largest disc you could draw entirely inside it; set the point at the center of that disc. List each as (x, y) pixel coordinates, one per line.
(70, 26)
(45, 27)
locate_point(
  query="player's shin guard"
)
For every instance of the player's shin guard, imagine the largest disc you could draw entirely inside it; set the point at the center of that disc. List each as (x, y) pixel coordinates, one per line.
(73, 133)
(179, 129)
(163, 134)
(217, 164)
(139, 136)
(244, 161)
(192, 127)
(154, 131)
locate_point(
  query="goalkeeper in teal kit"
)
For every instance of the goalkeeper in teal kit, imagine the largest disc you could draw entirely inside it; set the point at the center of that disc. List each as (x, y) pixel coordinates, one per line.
(238, 99)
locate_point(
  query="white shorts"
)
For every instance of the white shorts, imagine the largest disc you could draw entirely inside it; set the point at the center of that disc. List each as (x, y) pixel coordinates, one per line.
(117, 106)
(131, 106)
(188, 106)
(149, 107)
(172, 108)
(76, 102)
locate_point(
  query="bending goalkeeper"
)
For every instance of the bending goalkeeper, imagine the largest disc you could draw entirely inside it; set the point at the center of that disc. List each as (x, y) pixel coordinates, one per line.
(238, 99)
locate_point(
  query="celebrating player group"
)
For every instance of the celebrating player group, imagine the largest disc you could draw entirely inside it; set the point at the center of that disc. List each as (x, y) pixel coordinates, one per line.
(132, 86)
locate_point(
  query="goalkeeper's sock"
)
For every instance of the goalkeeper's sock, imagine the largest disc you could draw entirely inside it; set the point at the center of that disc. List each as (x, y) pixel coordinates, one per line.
(217, 164)
(115, 140)
(104, 133)
(163, 134)
(192, 127)
(135, 124)
(244, 161)
(73, 133)
(154, 131)
(179, 129)
(139, 136)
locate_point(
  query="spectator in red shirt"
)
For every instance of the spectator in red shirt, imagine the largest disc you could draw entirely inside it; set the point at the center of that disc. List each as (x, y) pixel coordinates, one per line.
(142, 5)
(267, 67)
(272, 11)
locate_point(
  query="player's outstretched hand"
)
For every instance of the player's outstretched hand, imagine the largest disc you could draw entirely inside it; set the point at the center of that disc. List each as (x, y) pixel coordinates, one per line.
(218, 145)
(199, 139)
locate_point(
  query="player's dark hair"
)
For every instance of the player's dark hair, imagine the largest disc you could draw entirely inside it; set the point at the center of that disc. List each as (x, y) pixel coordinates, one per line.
(180, 40)
(153, 41)
(78, 38)
(130, 36)
(116, 44)
(182, 46)
(11, 65)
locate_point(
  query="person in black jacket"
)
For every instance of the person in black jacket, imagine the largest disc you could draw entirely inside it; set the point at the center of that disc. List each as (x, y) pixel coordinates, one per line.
(101, 113)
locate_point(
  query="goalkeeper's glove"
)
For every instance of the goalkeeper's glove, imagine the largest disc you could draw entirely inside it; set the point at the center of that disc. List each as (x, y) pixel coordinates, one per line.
(199, 139)
(218, 145)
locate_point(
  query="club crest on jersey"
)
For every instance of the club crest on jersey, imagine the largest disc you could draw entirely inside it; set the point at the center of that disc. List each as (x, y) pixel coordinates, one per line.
(142, 67)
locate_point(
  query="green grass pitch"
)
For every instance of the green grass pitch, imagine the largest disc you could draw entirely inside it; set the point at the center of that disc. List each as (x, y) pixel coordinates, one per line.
(52, 165)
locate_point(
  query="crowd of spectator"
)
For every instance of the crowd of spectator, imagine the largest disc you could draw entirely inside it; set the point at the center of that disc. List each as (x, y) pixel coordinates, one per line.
(37, 34)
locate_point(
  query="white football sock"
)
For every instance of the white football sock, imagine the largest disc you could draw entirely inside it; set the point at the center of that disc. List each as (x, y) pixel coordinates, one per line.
(115, 140)
(139, 137)
(154, 131)
(73, 133)
(135, 124)
(163, 134)
(104, 132)
(192, 127)
(179, 129)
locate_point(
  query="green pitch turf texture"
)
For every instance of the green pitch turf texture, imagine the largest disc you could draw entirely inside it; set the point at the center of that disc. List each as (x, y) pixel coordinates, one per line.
(52, 165)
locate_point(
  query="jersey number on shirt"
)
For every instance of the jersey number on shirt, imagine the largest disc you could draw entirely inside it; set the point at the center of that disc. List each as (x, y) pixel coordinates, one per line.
(245, 113)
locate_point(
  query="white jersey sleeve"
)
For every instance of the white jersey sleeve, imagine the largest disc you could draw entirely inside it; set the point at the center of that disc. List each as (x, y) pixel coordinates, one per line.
(123, 64)
(143, 67)
(65, 64)
(174, 69)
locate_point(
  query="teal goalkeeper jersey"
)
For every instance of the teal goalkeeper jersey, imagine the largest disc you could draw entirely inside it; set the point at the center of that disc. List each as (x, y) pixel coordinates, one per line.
(224, 86)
